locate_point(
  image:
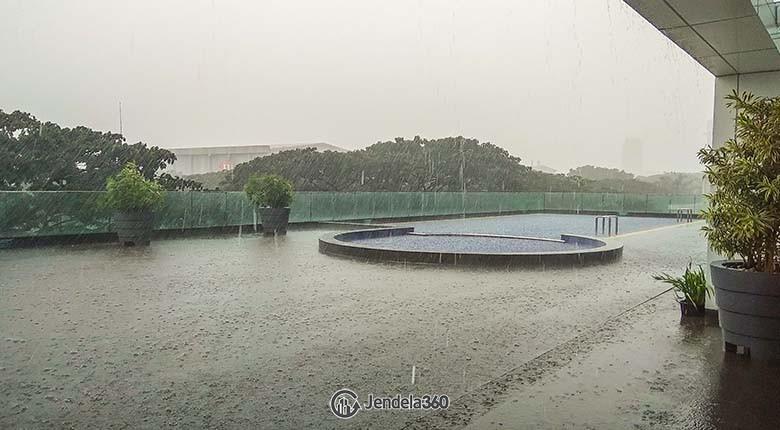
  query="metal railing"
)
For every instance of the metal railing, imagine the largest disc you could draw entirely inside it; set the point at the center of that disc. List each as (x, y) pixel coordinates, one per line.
(606, 221)
(684, 215)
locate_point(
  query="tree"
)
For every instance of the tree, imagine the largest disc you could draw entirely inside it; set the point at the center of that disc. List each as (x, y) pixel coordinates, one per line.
(44, 156)
(743, 217)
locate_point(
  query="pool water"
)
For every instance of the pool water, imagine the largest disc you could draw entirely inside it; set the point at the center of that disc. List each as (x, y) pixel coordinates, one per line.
(465, 244)
(534, 225)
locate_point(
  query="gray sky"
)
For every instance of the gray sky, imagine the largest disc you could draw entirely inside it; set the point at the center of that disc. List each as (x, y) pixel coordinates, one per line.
(564, 82)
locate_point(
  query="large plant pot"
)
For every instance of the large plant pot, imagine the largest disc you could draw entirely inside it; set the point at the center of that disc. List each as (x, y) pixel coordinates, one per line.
(134, 227)
(748, 309)
(274, 220)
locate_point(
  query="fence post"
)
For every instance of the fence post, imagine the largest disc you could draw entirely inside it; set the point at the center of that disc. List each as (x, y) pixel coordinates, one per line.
(225, 208)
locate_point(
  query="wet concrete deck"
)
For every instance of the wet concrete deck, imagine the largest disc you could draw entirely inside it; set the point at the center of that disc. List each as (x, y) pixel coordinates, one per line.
(259, 332)
(646, 369)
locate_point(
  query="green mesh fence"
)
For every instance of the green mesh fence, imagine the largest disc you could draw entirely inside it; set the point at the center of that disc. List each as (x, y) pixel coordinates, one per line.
(51, 213)
(42, 213)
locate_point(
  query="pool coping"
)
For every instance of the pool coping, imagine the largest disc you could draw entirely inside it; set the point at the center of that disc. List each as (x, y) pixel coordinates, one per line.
(604, 251)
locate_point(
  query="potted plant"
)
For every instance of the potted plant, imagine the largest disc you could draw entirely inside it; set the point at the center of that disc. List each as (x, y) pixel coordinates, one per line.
(690, 290)
(743, 220)
(272, 196)
(133, 199)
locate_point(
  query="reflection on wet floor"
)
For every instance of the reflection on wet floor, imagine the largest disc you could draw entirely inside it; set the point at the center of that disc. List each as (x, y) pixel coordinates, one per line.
(652, 370)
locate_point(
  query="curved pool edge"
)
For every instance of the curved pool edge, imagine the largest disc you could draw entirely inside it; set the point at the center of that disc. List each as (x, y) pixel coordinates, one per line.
(603, 252)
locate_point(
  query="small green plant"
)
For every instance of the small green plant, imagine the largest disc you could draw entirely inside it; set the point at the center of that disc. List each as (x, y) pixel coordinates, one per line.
(130, 191)
(743, 217)
(691, 286)
(269, 191)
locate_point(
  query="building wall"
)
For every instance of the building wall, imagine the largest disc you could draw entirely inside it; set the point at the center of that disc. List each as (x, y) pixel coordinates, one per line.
(196, 160)
(762, 84)
(633, 156)
(203, 160)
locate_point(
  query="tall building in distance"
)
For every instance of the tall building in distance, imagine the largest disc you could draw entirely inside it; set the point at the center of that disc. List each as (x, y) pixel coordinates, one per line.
(542, 168)
(633, 156)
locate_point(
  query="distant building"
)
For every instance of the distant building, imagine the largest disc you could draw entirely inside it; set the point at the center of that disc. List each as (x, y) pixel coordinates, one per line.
(633, 156)
(542, 168)
(190, 161)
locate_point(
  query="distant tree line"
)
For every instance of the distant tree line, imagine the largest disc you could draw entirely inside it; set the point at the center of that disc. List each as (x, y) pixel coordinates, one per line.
(670, 182)
(600, 173)
(37, 155)
(446, 164)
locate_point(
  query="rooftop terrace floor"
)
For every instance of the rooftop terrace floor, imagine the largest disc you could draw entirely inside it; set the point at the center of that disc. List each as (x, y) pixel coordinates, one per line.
(230, 332)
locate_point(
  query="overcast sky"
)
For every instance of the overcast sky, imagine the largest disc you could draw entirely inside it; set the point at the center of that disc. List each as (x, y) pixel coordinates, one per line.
(564, 82)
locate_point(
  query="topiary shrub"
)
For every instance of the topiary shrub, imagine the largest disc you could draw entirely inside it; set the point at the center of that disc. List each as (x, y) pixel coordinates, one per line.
(130, 191)
(269, 191)
(743, 217)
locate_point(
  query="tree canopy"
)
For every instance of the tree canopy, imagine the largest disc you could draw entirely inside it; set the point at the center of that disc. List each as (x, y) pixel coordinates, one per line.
(37, 155)
(743, 217)
(446, 164)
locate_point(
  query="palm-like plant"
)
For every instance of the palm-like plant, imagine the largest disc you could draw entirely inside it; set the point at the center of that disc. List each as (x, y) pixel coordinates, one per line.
(691, 287)
(743, 217)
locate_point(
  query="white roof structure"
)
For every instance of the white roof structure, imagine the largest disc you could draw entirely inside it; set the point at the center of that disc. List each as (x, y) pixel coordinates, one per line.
(727, 37)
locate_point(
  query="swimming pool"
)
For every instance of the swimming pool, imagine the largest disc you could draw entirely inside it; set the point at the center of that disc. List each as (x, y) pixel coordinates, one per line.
(512, 240)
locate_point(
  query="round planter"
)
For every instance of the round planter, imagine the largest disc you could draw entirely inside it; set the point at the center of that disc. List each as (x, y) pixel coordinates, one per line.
(748, 309)
(274, 220)
(134, 227)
